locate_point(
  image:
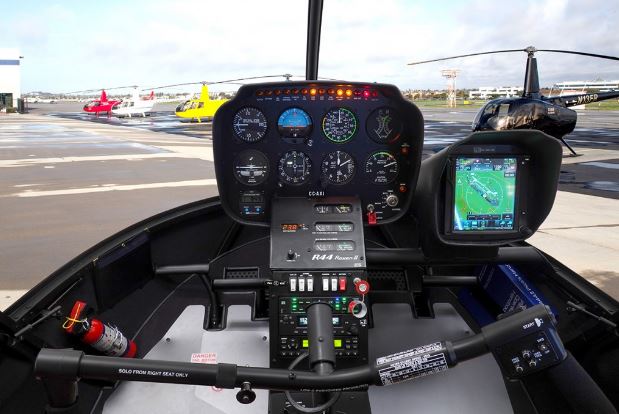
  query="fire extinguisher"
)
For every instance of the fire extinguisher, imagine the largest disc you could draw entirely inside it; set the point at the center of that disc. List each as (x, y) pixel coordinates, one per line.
(103, 337)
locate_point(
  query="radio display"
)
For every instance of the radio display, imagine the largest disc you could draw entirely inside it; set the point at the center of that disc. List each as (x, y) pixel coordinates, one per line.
(484, 194)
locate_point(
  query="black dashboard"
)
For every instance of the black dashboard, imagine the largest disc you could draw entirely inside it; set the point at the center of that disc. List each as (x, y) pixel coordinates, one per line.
(317, 139)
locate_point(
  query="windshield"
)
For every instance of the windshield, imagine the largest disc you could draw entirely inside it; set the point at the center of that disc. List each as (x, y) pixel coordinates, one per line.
(68, 185)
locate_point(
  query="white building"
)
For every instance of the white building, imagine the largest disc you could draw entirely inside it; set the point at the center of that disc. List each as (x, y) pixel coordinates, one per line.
(485, 92)
(584, 85)
(10, 77)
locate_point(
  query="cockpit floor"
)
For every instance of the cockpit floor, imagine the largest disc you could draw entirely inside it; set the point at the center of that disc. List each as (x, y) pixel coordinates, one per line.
(475, 386)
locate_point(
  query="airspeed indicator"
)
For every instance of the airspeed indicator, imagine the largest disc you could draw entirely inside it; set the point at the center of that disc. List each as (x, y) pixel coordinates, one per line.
(339, 125)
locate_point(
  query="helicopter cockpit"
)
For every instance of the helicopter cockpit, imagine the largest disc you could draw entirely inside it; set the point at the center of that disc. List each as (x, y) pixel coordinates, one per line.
(335, 267)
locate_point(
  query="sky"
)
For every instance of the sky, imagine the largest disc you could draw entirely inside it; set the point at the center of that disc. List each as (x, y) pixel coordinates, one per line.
(75, 45)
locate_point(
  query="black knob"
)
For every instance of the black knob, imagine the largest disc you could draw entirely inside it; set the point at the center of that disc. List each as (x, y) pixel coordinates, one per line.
(246, 395)
(291, 255)
(354, 330)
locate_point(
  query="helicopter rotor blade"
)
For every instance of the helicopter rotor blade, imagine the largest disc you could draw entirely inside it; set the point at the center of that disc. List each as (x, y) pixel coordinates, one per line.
(579, 53)
(228, 81)
(467, 55)
(99, 89)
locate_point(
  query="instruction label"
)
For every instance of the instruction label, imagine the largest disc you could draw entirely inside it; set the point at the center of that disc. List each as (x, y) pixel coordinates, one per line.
(411, 364)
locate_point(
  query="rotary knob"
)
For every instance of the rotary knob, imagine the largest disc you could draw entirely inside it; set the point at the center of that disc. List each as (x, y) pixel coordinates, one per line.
(392, 200)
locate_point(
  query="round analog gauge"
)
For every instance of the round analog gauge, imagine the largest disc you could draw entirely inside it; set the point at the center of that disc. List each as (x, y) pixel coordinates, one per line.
(294, 168)
(384, 125)
(294, 123)
(249, 124)
(251, 167)
(339, 125)
(381, 167)
(338, 167)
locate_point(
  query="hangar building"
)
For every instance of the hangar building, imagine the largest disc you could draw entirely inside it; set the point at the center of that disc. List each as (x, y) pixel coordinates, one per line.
(10, 77)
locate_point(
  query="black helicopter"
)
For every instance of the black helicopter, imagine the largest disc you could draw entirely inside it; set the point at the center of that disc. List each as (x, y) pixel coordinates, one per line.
(532, 110)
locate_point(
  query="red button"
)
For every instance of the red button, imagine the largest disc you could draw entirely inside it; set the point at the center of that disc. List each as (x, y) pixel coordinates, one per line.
(342, 283)
(362, 287)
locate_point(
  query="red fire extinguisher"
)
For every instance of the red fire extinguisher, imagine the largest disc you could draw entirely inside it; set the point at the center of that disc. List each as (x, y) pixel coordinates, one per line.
(103, 337)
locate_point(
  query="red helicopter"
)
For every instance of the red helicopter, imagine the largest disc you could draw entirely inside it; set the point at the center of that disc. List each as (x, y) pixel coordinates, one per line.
(101, 105)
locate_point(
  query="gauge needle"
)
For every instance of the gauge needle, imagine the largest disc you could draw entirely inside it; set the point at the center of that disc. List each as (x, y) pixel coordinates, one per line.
(389, 165)
(339, 116)
(338, 158)
(345, 162)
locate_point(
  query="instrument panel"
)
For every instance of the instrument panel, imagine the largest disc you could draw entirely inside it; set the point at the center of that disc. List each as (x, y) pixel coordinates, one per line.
(317, 139)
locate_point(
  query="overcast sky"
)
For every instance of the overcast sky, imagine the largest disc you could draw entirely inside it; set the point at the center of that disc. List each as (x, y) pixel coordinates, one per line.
(74, 45)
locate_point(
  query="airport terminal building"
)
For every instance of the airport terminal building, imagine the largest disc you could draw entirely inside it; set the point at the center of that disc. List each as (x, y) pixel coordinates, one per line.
(10, 78)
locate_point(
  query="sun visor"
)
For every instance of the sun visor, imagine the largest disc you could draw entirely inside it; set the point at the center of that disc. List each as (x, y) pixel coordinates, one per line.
(487, 190)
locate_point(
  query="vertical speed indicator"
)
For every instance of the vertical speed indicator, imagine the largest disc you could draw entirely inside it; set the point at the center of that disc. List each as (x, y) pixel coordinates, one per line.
(249, 124)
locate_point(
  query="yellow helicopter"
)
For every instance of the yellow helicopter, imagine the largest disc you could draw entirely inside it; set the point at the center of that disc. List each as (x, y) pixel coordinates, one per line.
(201, 108)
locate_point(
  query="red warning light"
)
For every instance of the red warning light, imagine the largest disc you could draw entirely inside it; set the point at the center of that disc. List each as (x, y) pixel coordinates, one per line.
(304, 91)
(287, 92)
(366, 94)
(278, 92)
(313, 91)
(295, 91)
(357, 92)
(402, 188)
(374, 94)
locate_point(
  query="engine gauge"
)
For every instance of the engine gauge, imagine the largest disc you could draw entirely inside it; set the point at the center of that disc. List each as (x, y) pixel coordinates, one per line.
(381, 167)
(251, 167)
(294, 123)
(338, 167)
(294, 168)
(249, 124)
(384, 125)
(339, 125)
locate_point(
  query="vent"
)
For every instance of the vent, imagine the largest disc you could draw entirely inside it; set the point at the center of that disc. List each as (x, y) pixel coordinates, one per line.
(387, 279)
(242, 273)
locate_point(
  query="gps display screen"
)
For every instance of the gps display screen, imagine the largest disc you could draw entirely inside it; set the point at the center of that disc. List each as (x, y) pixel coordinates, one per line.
(484, 194)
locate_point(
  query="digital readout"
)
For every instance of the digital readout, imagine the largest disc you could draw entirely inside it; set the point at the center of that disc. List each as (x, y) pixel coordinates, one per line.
(334, 227)
(303, 321)
(290, 228)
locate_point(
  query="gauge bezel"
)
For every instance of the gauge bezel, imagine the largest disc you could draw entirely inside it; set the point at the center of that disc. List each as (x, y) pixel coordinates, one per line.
(266, 128)
(371, 179)
(234, 165)
(306, 177)
(325, 176)
(354, 116)
(310, 127)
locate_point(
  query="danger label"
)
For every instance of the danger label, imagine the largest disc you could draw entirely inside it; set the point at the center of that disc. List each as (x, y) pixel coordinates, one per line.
(411, 364)
(204, 358)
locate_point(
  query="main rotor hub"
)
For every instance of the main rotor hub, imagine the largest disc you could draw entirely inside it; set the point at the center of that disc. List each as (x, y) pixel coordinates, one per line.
(530, 50)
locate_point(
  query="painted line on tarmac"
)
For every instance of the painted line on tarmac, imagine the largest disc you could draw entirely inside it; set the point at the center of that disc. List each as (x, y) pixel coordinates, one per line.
(24, 162)
(102, 189)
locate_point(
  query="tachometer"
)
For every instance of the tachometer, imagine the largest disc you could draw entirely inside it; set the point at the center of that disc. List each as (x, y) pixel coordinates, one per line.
(294, 123)
(249, 124)
(338, 167)
(339, 125)
(295, 168)
(251, 167)
(384, 125)
(382, 167)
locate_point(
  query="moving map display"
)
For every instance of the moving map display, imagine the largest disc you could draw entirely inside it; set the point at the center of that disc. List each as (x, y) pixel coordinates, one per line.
(484, 194)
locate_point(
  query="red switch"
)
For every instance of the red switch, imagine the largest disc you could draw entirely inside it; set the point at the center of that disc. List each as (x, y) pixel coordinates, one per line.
(362, 287)
(371, 217)
(342, 283)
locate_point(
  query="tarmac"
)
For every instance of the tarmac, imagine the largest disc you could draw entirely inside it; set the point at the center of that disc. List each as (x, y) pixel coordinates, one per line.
(69, 180)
